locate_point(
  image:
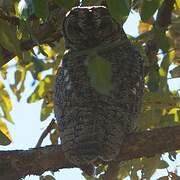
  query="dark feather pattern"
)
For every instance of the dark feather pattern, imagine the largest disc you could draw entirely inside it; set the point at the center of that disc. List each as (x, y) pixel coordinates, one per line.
(93, 125)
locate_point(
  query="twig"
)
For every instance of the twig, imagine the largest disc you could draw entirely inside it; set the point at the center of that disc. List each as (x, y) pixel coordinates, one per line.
(45, 133)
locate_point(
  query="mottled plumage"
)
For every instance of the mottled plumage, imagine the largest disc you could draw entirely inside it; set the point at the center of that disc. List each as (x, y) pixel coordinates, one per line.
(93, 125)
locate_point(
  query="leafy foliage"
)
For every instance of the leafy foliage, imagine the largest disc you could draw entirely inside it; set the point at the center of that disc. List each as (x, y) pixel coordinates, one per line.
(100, 72)
(161, 106)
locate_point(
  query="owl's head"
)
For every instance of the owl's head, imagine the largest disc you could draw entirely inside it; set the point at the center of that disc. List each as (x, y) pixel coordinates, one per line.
(87, 27)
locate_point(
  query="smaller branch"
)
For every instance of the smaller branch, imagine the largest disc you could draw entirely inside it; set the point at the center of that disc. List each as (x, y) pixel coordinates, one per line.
(11, 19)
(45, 133)
(46, 33)
(162, 22)
(164, 13)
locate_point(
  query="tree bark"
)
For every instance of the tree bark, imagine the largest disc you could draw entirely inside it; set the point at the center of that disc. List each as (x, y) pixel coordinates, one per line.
(19, 163)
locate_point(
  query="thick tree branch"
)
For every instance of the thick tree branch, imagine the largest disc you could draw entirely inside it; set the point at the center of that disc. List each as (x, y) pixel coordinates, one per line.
(16, 164)
(164, 13)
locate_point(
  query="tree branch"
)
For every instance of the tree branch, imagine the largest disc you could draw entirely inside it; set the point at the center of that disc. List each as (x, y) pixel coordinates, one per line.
(162, 22)
(164, 13)
(19, 163)
(46, 33)
(45, 133)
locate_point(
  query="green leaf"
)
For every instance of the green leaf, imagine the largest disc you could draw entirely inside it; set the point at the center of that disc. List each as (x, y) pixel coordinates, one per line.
(38, 93)
(150, 165)
(41, 89)
(8, 38)
(153, 78)
(163, 164)
(175, 73)
(18, 76)
(164, 42)
(89, 2)
(39, 65)
(150, 118)
(66, 4)
(46, 110)
(119, 8)
(40, 8)
(100, 73)
(163, 71)
(6, 105)
(148, 9)
(5, 137)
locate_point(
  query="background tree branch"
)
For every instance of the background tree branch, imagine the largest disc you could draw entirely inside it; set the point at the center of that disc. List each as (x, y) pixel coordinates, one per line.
(19, 163)
(46, 33)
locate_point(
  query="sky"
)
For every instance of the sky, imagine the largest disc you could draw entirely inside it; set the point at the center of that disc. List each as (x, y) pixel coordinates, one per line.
(28, 128)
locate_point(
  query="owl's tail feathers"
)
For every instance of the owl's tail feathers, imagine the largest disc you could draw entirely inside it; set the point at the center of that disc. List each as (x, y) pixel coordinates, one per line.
(84, 153)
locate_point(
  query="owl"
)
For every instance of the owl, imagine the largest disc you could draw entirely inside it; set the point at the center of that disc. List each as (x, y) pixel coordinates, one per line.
(94, 125)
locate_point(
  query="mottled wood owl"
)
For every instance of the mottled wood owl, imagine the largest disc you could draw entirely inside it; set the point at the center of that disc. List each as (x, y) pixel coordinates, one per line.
(92, 124)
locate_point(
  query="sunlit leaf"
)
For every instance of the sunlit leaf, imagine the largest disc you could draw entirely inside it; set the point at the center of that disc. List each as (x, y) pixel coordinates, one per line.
(144, 27)
(41, 89)
(38, 93)
(5, 137)
(1, 85)
(100, 73)
(6, 105)
(46, 110)
(176, 112)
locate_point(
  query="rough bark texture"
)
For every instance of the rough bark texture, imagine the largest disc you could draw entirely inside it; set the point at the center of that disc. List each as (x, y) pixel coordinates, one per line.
(16, 164)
